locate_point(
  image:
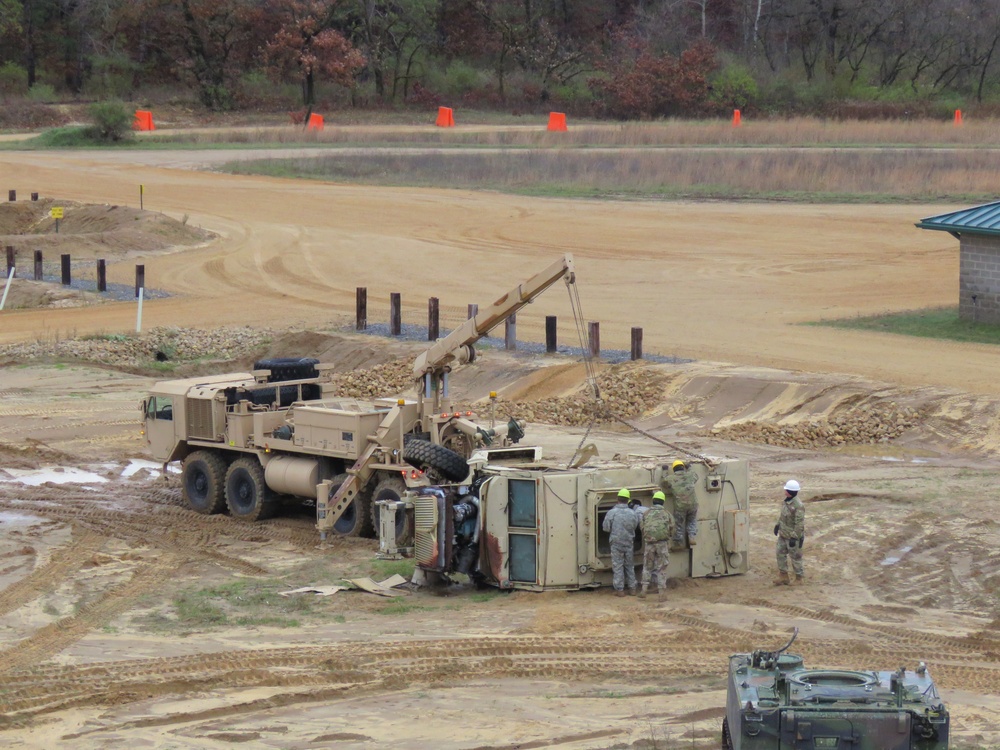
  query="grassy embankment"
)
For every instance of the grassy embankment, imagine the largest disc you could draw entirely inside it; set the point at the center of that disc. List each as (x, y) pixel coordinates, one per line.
(935, 323)
(799, 160)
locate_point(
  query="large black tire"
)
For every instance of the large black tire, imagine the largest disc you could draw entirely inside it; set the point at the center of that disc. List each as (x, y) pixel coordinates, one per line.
(247, 494)
(424, 454)
(203, 482)
(392, 488)
(356, 518)
(288, 368)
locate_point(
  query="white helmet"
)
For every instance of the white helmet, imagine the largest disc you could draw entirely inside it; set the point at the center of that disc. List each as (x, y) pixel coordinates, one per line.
(792, 486)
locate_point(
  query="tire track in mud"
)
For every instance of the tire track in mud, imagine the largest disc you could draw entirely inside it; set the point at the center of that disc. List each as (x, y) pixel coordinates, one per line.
(154, 517)
(983, 647)
(50, 575)
(54, 638)
(699, 649)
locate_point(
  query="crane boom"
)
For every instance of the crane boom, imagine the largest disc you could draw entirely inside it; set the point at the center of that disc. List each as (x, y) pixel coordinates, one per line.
(456, 346)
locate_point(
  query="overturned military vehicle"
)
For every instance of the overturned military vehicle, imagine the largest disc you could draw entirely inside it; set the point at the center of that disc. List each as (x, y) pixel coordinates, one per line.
(539, 527)
(774, 702)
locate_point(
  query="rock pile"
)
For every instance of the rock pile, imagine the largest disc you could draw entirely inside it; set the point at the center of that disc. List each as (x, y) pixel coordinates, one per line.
(625, 392)
(389, 379)
(159, 344)
(869, 423)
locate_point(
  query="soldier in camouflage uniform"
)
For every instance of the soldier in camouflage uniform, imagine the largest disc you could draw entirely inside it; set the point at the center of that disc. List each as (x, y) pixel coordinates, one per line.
(620, 523)
(681, 484)
(791, 533)
(657, 530)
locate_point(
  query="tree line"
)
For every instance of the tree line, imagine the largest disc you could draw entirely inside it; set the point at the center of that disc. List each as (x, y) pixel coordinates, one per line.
(619, 58)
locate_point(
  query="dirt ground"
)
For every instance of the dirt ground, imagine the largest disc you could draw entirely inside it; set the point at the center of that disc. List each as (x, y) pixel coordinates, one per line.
(126, 620)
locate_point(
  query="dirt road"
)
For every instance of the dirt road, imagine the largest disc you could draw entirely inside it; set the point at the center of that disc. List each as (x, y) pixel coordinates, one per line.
(708, 281)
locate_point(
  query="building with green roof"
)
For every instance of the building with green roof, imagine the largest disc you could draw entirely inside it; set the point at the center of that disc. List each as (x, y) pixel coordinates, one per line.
(978, 232)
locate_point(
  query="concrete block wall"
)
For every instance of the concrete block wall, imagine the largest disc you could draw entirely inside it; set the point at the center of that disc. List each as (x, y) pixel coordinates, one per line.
(979, 279)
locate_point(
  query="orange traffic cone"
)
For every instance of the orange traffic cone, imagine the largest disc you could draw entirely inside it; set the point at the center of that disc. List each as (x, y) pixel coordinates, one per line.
(958, 117)
(315, 122)
(737, 118)
(445, 118)
(557, 121)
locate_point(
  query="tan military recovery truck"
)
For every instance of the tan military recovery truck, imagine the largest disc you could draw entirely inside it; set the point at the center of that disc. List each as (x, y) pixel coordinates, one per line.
(537, 527)
(249, 439)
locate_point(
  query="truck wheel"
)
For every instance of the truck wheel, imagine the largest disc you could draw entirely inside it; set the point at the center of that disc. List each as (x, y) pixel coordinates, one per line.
(203, 482)
(247, 495)
(392, 488)
(424, 454)
(727, 742)
(356, 518)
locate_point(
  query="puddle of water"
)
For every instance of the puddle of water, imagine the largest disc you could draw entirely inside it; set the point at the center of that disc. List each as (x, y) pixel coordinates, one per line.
(9, 518)
(54, 474)
(895, 558)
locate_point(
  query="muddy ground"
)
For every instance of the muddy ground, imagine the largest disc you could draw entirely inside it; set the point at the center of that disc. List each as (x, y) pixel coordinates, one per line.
(126, 620)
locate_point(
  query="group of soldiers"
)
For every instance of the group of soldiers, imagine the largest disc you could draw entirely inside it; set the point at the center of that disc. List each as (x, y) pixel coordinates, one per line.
(661, 530)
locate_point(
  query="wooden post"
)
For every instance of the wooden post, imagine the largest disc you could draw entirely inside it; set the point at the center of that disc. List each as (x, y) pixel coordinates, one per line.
(12, 195)
(102, 275)
(38, 265)
(510, 333)
(140, 278)
(66, 280)
(433, 318)
(11, 259)
(595, 339)
(395, 314)
(550, 334)
(636, 343)
(361, 309)
(34, 196)
(473, 311)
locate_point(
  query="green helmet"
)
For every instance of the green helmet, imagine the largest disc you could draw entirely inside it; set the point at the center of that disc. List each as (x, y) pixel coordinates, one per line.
(624, 494)
(659, 498)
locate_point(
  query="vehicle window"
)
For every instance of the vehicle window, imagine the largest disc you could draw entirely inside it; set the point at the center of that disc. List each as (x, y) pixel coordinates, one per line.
(521, 503)
(161, 407)
(523, 556)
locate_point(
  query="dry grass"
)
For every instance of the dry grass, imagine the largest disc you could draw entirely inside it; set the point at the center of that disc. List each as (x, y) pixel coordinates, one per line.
(792, 132)
(796, 174)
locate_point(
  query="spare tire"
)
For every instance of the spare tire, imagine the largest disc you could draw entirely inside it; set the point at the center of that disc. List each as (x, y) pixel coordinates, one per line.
(424, 454)
(288, 368)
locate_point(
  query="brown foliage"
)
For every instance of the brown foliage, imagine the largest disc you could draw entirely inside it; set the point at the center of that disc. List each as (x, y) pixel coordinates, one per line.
(658, 86)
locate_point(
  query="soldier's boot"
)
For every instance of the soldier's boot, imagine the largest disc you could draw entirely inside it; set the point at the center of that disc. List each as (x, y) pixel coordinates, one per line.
(692, 541)
(642, 592)
(662, 595)
(800, 578)
(782, 578)
(619, 592)
(632, 591)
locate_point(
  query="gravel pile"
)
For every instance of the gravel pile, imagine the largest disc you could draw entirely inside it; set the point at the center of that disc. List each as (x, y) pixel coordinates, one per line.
(379, 381)
(867, 424)
(158, 344)
(626, 391)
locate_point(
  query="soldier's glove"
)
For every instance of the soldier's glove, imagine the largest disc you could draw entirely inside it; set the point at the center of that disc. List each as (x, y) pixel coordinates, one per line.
(793, 543)
(777, 526)
(802, 541)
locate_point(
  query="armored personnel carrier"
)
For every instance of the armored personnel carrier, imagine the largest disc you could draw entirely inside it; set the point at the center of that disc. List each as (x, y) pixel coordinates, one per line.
(774, 702)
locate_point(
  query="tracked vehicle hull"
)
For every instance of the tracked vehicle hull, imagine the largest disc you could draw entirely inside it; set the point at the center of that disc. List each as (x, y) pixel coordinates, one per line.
(775, 703)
